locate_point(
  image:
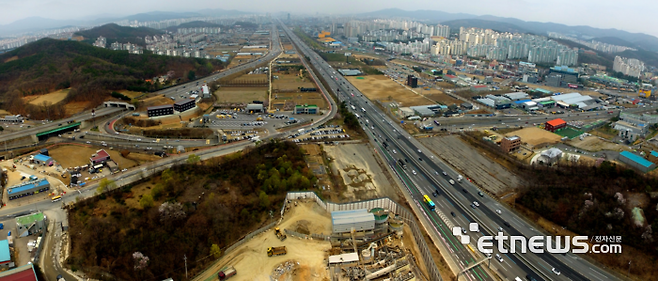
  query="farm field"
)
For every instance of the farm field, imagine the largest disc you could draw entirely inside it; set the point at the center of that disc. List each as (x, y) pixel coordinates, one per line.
(52, 98)
(290, 82)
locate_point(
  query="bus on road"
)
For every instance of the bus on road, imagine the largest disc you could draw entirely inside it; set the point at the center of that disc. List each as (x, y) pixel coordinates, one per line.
(429, 202)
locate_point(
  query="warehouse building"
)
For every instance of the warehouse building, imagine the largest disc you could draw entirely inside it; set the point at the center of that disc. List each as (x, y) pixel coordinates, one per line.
(42, 160)
(345, 221)
(23, 273)
(255, 107)
(636, 161)
(516, 96)
(184, 105)
(160, 110)
(630, 131)
(28, 188)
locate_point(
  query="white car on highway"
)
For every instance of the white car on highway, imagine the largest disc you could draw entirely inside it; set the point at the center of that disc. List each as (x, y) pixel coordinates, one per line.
(413, 171)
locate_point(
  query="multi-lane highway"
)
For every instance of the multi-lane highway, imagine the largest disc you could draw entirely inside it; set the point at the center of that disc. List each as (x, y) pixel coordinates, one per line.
(424, 174)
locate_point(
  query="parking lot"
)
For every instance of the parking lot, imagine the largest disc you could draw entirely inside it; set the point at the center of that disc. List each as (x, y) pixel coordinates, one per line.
(320, 133)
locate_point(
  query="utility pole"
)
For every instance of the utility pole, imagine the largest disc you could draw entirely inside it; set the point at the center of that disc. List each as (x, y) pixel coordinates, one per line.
(629, 268)
(185, 258)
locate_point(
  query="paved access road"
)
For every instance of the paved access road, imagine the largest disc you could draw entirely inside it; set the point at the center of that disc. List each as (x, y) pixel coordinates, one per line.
(425, 172)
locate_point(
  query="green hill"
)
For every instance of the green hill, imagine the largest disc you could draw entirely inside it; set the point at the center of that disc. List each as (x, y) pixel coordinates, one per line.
(117, 33)
(91, 73)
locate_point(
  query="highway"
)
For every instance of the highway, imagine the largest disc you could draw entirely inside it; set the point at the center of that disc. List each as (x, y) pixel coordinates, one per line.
(424, 171)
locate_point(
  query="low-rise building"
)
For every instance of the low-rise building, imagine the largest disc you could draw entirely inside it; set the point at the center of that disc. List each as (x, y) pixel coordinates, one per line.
(184, 105)
(100, 157)
(555, 124)
(630, 131)
(346, 221)
(22, 273)
(42, 159)
(30, 224)
(550, 156)
(306, 109)
(28, 188)
(511, 143)
(160, 110)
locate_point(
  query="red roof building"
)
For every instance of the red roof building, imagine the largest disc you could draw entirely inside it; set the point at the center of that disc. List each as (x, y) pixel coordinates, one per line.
(555, 125)
(22, 273)
(101, 157)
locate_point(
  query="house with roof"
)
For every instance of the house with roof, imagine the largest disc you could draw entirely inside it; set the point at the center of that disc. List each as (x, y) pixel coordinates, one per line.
(30, 224)
(21, 273)
(100, 157)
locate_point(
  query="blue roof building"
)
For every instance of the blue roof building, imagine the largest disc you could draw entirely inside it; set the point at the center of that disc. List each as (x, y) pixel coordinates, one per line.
(42, 159)
(29, 188)
(636, 161)
(5, 256)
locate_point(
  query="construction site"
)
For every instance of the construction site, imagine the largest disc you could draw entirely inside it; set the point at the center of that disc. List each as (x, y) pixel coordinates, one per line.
(310, 243)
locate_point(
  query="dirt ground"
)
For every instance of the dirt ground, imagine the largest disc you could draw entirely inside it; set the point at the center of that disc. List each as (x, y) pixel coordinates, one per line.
(594, 143)
(252, 263)
(4, 112)
(78, 155)
(535, 136)
(241, 94)
(360, 171)
(76, 107)
(53, 97)
(154, 101)
(380, 87)
(131, 94)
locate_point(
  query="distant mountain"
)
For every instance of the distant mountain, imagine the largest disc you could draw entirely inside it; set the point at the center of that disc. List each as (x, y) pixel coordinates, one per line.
(33, 24)
(158, 16)
(422, 15)
(640, 40)
(222, 13)
(478, 23)
(117, 33)
(193, 24)
(92, 73)
(615, 41)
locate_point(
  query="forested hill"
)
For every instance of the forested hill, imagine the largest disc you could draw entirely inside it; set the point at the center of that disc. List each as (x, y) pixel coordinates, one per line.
(117, 33)
(91, 73)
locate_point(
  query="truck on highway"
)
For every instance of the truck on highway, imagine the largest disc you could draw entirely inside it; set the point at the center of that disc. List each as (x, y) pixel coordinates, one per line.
(363, 109)
(459, 178)
(401, 163)
(226, 273)
(276, 251)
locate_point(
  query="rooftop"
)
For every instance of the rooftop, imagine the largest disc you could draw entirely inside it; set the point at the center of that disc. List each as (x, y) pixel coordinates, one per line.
(185, 101)
(5, 256)
(160, 107)
(513, 138)
(637, 159)
(556, 122)
(41, 158)
(100, 155)
(23, 273)
(24, 187)
(29, 219)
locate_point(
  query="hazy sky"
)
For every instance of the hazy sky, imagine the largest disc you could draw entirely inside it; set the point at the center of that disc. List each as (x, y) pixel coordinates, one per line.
(629, 15)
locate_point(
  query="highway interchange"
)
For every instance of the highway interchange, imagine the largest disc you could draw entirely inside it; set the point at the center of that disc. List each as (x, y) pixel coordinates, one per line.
(423, 175)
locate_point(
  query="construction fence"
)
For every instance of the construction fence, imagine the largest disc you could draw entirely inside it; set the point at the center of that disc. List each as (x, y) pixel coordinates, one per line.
(384, 203)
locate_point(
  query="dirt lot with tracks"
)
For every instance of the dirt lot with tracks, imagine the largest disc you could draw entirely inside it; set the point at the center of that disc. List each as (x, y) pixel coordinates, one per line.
(252, 263)
(485, 173)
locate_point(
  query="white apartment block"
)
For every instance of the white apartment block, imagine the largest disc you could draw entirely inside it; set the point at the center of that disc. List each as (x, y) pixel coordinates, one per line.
(630, 67)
